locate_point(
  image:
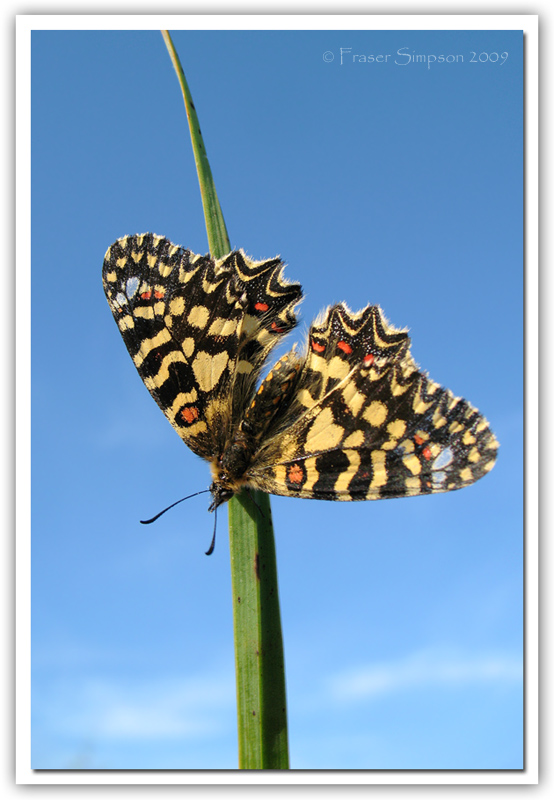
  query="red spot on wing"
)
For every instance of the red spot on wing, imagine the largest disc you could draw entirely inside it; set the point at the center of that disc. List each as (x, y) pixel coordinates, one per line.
(318, 348)
(427, 453)
(159, 294)
(345, 347)
(295, 474)
(369, 359)
(189, 414)
(276, 328)
(418, 439)
(146, 295)
(261, 306)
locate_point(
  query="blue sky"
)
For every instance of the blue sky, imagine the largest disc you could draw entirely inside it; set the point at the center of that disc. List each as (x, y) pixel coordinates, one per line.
(391, 183)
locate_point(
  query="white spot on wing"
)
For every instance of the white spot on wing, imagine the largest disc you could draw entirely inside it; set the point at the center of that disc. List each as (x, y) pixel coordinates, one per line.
(443, 459)
(132, 286)
(439, 478)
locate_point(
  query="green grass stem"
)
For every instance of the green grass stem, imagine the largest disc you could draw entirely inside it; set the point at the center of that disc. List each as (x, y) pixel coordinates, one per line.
(259, 656)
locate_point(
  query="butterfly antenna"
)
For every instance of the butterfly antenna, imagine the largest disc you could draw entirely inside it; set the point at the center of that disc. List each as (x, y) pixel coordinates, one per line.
(210, 549)
(148, 521)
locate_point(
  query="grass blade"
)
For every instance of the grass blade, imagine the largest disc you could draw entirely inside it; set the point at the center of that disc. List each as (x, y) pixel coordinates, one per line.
(259, 657)
(218, 238)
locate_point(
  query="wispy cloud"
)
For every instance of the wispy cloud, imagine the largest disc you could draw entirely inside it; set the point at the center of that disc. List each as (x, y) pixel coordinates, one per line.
(163, 709)
(425, 668)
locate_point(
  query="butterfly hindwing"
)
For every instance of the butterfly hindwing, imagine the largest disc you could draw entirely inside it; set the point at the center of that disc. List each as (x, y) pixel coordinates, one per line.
(365, 423)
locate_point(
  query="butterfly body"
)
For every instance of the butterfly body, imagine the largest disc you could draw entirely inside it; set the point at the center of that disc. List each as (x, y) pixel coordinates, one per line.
(350, 418)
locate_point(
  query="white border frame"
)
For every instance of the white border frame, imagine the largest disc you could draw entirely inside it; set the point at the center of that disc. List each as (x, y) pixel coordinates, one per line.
(24, 25)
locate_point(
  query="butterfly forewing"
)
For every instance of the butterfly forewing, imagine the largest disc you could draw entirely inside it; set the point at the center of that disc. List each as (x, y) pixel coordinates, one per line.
(198, 330)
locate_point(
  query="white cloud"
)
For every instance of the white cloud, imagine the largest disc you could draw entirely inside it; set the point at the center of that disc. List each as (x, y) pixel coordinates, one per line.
(430, 667)
(147, 710)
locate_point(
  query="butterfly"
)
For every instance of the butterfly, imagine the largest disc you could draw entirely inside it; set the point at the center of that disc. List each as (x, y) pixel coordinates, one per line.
(350, 417)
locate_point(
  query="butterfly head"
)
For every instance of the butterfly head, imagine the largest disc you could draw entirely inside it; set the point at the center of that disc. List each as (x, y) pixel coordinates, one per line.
(220, 494)
(229, 470)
